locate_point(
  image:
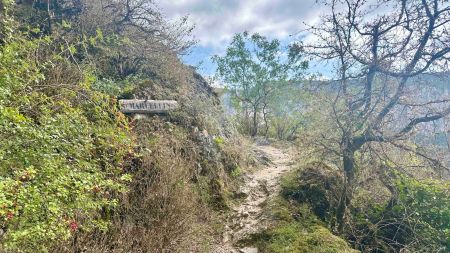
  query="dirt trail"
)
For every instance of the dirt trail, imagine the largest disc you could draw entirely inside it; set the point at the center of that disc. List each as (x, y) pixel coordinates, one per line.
(247, 217)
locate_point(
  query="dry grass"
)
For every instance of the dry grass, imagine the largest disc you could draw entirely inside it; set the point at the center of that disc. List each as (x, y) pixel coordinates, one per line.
(179, 178)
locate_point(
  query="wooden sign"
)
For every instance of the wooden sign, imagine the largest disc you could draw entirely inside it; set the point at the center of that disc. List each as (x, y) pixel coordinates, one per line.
(147, 106)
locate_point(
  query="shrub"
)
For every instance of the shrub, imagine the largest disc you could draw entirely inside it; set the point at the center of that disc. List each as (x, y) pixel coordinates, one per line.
(297, 229)
(236, 172)
(417, 221)
(219, 141)
(317, 185)
(62, 149)
(292, 237)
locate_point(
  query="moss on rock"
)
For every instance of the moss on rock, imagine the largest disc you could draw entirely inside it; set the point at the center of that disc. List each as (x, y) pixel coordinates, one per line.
(316, 184)
(295, 229)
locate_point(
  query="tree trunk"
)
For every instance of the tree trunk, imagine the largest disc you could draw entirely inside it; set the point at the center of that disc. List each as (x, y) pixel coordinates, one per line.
(247, 121)
(346, 195)
(266, 123)
(255, 123)
(387, 180)
(280, 131)
(49, 18)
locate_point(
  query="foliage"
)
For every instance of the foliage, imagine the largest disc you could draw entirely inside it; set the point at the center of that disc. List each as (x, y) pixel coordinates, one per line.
(287, 238)
(429, 204)
(68, 155)
(62, 148)
(418, 221)
(297, 229)
(253, 68)
(219, 141)
(414, 219)
(376, 100)
(236, 172)
(288, 115)
(178, 178)
(120, 88)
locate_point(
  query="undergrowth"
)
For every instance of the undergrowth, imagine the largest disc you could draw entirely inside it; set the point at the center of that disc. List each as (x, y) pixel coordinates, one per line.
(296, 228)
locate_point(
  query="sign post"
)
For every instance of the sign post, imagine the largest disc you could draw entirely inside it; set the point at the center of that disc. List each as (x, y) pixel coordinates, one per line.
(138, 106)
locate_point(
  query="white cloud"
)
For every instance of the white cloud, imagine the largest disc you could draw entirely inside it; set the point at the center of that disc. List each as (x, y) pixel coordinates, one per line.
(218, 20)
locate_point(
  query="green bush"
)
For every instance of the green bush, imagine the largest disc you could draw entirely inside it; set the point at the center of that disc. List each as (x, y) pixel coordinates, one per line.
(429, 202)
(62, 149)
(417, 221)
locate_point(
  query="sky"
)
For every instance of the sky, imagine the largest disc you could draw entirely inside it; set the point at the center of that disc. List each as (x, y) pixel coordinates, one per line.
(216, 21)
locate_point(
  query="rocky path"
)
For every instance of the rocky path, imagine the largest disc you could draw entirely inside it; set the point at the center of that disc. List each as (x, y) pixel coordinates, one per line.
(247, 217)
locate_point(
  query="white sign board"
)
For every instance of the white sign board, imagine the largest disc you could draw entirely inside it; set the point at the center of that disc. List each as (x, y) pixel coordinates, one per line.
(147, 106)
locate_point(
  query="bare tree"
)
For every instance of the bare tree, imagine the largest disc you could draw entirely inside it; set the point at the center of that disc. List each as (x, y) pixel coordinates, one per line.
(381, 48)
(130, 34)
(143, 17)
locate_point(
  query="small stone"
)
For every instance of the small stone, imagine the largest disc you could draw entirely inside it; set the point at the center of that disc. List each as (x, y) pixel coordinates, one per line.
(248, 250)
(226, 238)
